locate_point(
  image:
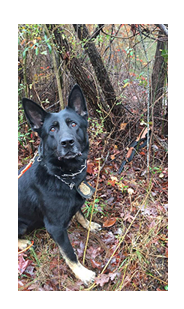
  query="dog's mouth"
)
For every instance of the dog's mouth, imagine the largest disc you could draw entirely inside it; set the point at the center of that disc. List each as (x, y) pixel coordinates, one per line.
(69, 155)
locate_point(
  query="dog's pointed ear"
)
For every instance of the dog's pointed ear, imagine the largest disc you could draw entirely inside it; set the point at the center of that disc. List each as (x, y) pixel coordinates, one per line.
(35, 114)
(77, 101)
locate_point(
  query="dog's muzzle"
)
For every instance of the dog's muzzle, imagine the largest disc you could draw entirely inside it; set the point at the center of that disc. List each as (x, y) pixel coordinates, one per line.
(68, 149)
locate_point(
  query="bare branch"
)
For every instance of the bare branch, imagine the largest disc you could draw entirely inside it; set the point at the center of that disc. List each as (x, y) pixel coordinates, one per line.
(163, 28)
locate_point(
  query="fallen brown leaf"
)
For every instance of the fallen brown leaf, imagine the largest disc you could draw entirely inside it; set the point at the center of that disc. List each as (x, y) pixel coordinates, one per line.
(109, 222)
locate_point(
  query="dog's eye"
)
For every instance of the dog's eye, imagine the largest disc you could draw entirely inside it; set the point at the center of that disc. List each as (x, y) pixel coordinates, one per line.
(54, 126)
(73, 124)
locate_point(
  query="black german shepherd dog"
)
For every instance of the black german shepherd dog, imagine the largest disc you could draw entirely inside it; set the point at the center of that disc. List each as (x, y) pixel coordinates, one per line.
(49, 192)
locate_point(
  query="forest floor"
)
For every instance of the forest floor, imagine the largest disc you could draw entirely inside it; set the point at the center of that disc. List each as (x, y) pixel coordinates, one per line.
(131, 251)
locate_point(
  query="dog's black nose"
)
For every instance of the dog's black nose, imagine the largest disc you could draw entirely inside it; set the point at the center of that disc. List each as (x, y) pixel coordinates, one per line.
(67, 143)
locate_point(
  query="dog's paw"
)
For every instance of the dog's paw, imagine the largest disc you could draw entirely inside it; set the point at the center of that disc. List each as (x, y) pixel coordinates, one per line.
(23, 243)
(95, 227)
(84, 274)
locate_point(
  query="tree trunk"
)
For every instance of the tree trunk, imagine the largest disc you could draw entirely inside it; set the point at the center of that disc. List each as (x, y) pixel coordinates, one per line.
(101, 72)
(111, 112)
(73, 65)
(56, 71)
(158, 79)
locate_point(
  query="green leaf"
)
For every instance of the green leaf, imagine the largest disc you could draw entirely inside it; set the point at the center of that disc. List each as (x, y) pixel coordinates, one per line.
(44, 52)
(24, 52)
(49, 47)
(37, 51)
(139, 255)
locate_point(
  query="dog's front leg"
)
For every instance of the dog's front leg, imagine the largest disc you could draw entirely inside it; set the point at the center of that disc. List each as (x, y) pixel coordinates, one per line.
(66, 249)
(79, 270)
(70, 257)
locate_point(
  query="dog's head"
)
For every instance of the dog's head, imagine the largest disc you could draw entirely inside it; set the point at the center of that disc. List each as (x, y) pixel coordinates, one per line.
(63, 134)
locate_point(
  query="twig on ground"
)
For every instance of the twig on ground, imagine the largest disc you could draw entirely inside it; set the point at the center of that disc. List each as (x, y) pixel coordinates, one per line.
(122, 238)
